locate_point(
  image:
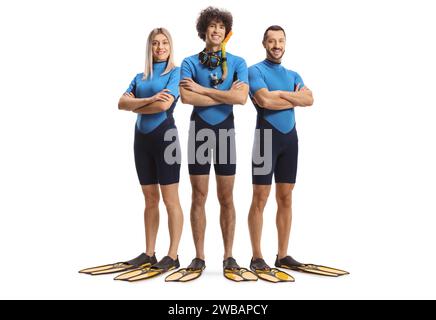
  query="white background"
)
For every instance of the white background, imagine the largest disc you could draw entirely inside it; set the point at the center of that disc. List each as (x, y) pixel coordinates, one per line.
(364, 199)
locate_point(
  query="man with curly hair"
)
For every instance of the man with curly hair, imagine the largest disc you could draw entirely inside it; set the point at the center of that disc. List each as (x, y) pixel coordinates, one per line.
(213, 81)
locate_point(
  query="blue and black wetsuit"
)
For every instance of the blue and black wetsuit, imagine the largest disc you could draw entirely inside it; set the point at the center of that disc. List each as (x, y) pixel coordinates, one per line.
(273, 76)
(150, 129)
(213, 117)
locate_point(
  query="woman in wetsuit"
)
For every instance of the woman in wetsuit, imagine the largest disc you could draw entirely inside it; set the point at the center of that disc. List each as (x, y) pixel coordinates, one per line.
(153, 95)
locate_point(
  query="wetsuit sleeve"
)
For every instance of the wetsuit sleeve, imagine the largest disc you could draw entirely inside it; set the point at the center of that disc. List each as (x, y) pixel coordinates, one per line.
(242, 71)
(255, 80)
(298, 81)
(132, 87)
(173, 83)
(186, 71)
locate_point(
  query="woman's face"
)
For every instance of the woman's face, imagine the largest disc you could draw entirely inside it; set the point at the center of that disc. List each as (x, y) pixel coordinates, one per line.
(160, 48)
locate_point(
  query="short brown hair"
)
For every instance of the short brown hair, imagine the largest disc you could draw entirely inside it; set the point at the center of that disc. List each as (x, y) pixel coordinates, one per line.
(210, 14)
(273, 28)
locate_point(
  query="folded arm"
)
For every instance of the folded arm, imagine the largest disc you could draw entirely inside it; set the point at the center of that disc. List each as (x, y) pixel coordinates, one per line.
(236, 95)
(271, 100)
(301, 97)
(155, 104)
(155, 107)
(128, 102)
(195, 99)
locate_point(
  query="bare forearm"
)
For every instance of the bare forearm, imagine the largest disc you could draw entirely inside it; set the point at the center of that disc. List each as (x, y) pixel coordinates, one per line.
(195, 99)
(154, 107)
(228, 96)
(129, 103)
(303, 98)
(273, 101)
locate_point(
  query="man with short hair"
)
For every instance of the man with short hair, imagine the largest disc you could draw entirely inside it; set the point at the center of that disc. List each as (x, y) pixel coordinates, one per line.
(275, 92)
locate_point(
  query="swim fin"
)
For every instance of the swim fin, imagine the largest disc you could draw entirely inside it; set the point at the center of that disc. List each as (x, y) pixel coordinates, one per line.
(234, 272)
(292, 264)
(192, 272)
(133, 273)
(141, 261)
(163, 266)
(264, 272)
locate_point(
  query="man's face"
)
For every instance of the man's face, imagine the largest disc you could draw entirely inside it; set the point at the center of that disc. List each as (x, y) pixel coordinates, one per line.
(274, 44)
(215, 33)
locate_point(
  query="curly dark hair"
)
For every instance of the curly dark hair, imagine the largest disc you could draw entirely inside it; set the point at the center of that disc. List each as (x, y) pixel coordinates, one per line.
(210, 14)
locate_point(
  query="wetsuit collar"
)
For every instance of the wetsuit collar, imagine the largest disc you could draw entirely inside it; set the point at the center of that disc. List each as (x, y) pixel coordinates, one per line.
(160, 65)
(272, 64)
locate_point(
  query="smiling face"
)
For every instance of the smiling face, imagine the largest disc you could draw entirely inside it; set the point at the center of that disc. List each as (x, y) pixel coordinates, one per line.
(274, 44)
(215, 33)
(161, 48)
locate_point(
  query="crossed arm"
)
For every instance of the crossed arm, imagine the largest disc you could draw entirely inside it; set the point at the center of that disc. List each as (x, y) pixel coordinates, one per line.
(155, 104)
(197, 95)
(280, 100)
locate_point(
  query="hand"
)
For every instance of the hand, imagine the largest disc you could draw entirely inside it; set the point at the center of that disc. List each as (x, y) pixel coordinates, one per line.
(129, 94)
(236, 85)
(255, 101)
(306, 94)
(297, 88)
(162, 96)
(191, 85)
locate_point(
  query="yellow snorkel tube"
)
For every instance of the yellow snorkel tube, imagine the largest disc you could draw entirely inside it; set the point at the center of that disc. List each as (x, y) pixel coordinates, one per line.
(223, 55)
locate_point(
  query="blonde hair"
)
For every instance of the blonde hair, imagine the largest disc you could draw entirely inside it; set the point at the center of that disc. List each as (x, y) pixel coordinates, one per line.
(148, 72)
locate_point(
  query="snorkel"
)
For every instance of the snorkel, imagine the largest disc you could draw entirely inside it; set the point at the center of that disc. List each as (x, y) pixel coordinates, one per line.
(223, 55)
(213, 60)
